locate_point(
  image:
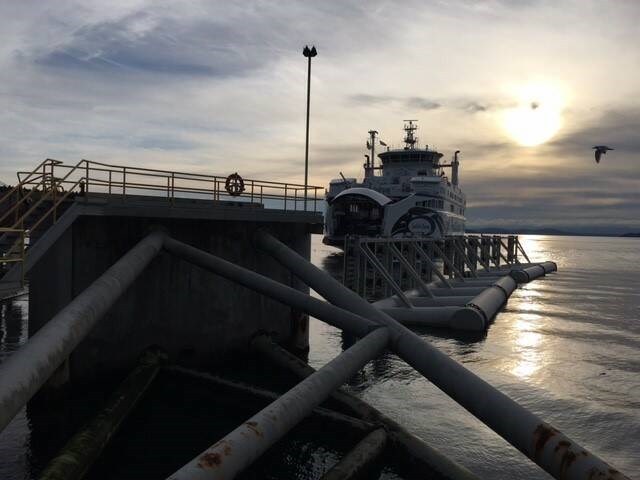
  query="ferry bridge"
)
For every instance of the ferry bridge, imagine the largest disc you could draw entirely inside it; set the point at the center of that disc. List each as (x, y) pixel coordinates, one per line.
(122, 258)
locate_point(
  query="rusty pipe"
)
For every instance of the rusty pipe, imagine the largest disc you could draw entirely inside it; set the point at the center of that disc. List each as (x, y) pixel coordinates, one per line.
(237, 450)
(419, 451)
(24, 372)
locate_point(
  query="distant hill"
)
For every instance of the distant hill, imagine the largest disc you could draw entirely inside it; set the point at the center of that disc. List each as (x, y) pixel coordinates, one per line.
(524, 231)
(547, 231)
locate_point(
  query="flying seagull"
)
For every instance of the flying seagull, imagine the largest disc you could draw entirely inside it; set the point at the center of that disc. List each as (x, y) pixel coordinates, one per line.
(600, 150)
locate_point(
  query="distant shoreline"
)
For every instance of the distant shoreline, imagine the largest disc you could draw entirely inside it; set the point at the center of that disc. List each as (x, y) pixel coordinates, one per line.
(548, 231)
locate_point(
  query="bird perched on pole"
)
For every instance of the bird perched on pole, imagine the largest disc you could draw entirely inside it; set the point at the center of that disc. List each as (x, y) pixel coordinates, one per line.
(600, 150)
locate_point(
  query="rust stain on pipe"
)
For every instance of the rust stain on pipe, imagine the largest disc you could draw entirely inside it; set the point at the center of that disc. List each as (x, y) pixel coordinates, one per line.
(541, 436)
(210, 460)
(253, 426)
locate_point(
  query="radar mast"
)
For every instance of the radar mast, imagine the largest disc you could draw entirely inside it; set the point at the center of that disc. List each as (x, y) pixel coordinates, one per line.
(410, 139)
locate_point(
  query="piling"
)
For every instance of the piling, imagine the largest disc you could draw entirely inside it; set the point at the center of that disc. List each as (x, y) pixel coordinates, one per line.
(84, 448)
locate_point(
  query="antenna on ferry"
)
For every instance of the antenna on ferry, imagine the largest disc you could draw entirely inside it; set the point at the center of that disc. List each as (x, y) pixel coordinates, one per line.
(371, 145)
(454, 168)
(410, 139)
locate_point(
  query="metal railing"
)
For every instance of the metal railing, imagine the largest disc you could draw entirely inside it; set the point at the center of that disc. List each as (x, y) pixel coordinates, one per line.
(96, 177)
(40, 194)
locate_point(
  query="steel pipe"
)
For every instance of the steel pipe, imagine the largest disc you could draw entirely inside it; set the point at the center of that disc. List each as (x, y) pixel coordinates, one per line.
(434, 268)
(455, 291)
(424, 289)
(24, 372)
(392, 302)
(358, 460)
(440, 317)
(407, 442)
(289, 296)
(237, 450)
(528, 274)
(549, 267)
(546, 446)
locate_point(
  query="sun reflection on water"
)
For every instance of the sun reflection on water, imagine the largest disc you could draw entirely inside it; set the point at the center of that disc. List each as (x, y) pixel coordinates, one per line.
(532, 245)
(527, 347)
(527, 343)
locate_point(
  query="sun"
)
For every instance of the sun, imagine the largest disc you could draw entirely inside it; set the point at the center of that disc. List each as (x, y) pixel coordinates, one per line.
(536, 116)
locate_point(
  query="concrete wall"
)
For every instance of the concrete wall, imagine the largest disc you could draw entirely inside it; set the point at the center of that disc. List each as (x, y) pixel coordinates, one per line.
(196, 316)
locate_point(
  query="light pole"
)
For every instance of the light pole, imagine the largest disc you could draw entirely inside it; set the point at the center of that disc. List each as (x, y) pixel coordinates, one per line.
(309, 53)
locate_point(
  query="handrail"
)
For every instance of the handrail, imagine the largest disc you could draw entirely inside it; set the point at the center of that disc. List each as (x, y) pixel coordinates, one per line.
(55, 205)
(20, 182)
(45, 195)
(197, 175)
(53, 181)
(262, 189)
(17, 204)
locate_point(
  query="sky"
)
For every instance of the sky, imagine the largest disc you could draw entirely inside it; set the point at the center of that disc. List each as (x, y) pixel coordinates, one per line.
(523, 88)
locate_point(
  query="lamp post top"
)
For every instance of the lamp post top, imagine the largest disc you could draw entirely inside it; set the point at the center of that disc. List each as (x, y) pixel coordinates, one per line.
(309, 52)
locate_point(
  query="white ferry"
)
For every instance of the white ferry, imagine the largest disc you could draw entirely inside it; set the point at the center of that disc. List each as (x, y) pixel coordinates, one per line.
(407, 194)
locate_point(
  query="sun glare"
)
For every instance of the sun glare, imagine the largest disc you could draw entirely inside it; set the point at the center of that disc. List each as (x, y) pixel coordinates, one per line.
(537, 115)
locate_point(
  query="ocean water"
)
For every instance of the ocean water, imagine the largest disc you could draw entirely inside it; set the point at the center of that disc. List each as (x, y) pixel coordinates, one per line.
(566, 346)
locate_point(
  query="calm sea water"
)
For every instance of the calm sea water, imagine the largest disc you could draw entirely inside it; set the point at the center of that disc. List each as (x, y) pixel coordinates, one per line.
(566, 346)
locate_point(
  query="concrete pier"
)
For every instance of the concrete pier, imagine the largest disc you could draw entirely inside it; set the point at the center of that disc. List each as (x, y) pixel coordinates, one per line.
(195, 316)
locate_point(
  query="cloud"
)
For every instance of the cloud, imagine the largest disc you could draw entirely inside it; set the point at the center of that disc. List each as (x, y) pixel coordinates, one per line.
(473, 107)
(420, 103)
(368, 100)
(215, 87)
(152, 45)
(406, 103)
